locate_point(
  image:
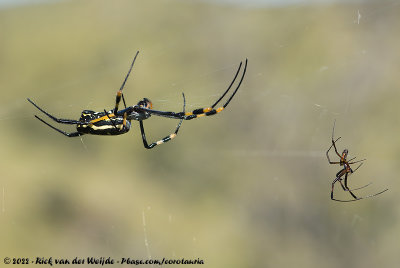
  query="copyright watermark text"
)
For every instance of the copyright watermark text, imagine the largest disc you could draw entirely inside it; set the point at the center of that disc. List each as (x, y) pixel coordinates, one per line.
(51, 261)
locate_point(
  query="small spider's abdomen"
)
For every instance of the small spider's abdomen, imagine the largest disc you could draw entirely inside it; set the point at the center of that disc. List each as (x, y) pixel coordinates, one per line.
(105, 126)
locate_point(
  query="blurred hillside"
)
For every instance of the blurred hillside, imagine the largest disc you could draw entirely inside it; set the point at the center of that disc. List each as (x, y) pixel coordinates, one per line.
(246, 188)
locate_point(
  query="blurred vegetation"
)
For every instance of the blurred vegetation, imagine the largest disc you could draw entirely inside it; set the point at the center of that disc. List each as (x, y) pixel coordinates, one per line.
(247, 188)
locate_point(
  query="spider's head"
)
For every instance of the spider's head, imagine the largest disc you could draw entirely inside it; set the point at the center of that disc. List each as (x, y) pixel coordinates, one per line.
(345, 153)
(145, 103)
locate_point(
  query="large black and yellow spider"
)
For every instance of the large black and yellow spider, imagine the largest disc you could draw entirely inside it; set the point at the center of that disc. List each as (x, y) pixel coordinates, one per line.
(345, 171)
(116, 122)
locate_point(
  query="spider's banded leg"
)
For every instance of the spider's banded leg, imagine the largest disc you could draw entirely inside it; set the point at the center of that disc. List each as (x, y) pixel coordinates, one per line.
(165, 139)
(119, 92)
(202, 111)
(73, 134)
(327, 152)
(210, 110)
(58, 120)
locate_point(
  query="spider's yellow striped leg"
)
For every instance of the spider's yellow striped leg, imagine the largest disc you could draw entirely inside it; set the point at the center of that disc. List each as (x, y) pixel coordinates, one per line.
(202, 111)
(119, 92)
(211, 110)
(165, 139)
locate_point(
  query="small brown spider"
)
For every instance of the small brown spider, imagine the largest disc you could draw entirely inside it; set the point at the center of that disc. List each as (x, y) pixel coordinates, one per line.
(345, 171)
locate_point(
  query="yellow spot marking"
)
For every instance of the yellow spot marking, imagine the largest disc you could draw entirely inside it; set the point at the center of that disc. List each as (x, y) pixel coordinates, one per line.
(104, 127)
(189, 113)
(172, 135)
(159, 142)
(206, 110)
(200, 115)
(101, 118)
(220, 109)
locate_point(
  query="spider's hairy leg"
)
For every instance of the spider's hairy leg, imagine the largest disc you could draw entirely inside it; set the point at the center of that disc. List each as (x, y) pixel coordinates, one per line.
(58, 120)
(73, 134)
(165, 139)
(119, 92)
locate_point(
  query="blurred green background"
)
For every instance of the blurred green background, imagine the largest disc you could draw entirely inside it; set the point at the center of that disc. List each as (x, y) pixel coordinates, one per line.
(246, 188)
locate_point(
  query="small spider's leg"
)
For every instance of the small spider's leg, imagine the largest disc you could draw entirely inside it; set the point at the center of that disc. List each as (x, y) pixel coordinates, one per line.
(119, 92)
(333, 186)
(327, 152)
(165, 139)
(345, 187)
(351, 159)
(334, 146)
(355, 189)
(58, 120)
(73, 134)
(355, 161)
(333, 129)
(352, 171)
(334, 141)
(359, 198)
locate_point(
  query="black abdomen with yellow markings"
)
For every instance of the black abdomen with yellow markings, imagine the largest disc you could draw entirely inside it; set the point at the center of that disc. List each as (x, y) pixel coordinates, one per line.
(107, 125)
